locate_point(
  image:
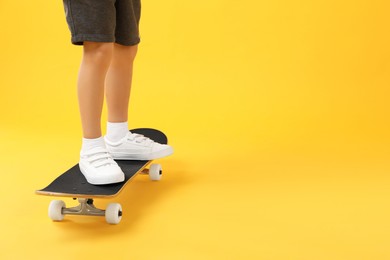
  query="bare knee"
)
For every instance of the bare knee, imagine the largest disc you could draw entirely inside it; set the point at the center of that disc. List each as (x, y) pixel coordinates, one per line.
(125, 53)
(132, 51)
(98, 52)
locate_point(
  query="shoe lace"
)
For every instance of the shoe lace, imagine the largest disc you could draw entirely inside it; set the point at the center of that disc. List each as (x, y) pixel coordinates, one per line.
(99, 158)
(138, 138)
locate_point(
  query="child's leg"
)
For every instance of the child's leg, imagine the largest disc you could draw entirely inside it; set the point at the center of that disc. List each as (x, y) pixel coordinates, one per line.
(118, 82)
(95, 63)
(122, 144)
(95, 162)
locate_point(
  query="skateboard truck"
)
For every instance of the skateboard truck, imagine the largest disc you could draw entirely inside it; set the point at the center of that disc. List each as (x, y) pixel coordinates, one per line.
(57, 210)
(86, 208)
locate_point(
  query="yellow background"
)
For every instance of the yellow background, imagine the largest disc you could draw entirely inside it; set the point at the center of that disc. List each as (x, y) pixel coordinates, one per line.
(278, 112)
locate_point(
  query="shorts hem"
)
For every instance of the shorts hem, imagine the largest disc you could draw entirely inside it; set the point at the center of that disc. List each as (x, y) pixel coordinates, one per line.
(81, 38)
(128, 42)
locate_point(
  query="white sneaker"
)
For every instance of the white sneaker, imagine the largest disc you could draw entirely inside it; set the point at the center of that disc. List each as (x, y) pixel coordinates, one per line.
(137, 147)
(99, 168)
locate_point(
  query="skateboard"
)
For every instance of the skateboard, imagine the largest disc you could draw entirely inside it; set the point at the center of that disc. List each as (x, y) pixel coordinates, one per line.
(72, 183)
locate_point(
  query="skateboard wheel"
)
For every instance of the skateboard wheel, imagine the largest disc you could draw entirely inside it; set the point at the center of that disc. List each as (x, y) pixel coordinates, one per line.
(155, 172)
(113, 213)
(55, 210)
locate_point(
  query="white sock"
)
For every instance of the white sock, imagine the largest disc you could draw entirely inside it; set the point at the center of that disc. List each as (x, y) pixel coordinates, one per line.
(116, 131)
(89, 144)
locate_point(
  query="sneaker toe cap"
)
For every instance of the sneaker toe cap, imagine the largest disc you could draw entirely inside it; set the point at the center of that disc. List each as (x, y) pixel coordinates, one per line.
(162, 150)
(105, 175)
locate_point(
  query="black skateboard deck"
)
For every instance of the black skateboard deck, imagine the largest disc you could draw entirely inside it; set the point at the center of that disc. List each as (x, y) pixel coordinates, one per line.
(72, 183)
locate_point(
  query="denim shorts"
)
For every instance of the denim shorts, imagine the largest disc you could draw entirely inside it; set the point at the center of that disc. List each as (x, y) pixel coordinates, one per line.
(103, 21)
